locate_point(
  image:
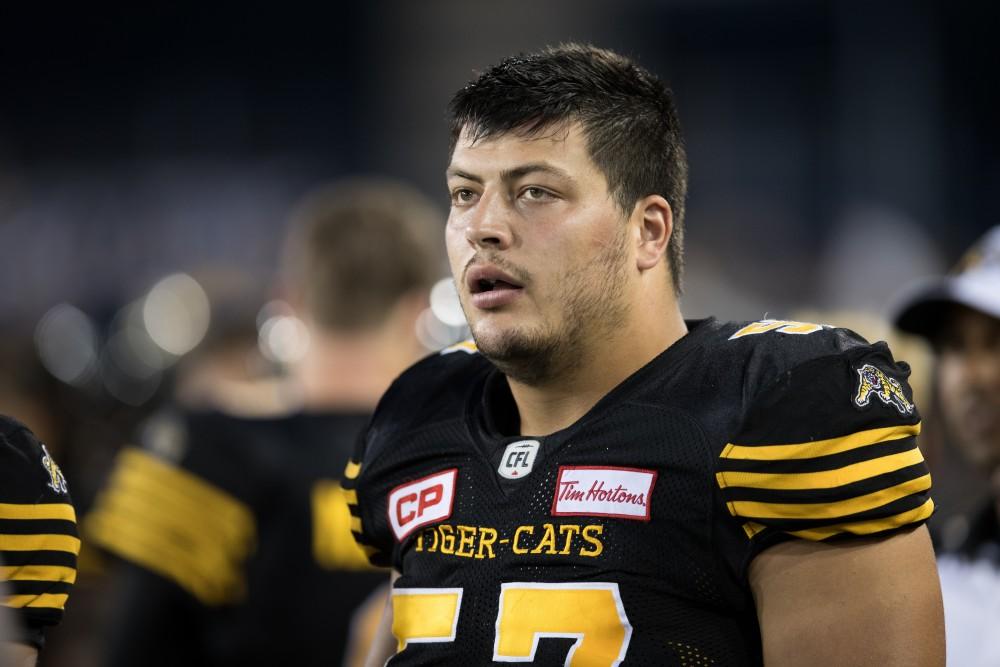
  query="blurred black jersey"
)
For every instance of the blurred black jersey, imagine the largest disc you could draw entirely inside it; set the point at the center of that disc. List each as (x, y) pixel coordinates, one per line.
(626, 538)
(38, 537)
(237, 532)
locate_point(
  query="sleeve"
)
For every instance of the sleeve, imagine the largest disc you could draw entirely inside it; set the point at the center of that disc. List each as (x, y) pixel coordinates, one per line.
(828, 450)
(164, 509)
(360, 500)
(38, 535)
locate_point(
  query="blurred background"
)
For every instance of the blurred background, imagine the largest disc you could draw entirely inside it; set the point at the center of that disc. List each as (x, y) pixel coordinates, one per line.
(149, 157)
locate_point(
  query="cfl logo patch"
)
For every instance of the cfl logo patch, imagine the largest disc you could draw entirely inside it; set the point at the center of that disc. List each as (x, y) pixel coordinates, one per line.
(518, 459)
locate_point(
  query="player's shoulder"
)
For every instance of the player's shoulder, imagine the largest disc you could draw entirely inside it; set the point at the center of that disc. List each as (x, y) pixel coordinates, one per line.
(769, 348)
(18, 439)
(433, 390)
(27, 469)
(794, 341)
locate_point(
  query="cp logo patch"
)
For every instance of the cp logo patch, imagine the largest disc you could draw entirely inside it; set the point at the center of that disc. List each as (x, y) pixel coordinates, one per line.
(420, 502)
(873, 382)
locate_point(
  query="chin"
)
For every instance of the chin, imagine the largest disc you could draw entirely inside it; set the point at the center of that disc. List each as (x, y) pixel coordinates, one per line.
(524, 355)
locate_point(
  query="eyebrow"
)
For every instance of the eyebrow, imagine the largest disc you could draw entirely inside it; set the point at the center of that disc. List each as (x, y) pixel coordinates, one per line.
(515, 173)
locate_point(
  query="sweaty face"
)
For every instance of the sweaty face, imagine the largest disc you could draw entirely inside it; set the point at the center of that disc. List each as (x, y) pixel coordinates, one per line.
(969, 371)
(538, 249)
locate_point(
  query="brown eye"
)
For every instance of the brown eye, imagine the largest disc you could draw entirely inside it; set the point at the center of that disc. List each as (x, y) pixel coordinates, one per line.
(462, 196)
(535, 193)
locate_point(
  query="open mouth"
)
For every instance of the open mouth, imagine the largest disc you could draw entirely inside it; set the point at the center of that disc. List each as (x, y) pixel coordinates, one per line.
(488, 285)
(482, 279)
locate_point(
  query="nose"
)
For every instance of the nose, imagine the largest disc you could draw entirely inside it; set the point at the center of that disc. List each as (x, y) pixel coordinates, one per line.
(489, 225)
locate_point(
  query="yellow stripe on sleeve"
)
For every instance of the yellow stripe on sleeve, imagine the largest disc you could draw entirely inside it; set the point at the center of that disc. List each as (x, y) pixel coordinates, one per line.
(46, 600)
(817, 448)
(167, 501)
(826, 479)
(208, 576)
(751, 528)
(869, 527)
(832, 510)
(56, 573)
(333, 544)
(62, 511)
(352, 470)
(173, 523)
(141, 471)
(43, 542)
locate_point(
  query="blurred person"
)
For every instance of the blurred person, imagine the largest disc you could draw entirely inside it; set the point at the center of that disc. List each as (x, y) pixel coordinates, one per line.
(38, 540)
(595, 480)
(959, 314)
(231, 517)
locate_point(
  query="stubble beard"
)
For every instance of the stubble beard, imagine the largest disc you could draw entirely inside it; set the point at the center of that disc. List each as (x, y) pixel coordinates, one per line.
(593, 310)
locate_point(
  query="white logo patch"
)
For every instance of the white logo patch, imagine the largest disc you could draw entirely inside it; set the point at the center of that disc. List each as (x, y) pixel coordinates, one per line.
(518, 459)
(623, 493)
(421, 502)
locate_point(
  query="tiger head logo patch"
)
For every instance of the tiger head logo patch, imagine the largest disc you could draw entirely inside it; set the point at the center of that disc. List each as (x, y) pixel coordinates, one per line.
(873, 382)
(57, 481)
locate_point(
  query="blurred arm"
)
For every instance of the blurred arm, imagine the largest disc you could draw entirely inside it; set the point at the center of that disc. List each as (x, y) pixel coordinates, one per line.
(875, 601)
(384, 644)
(19, 655)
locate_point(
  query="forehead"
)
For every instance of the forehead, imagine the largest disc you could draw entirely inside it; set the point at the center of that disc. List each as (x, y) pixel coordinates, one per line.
(564, 146)
(965, 325)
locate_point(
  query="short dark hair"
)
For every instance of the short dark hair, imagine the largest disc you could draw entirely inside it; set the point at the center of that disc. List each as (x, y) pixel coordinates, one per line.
(627, 115)
(356, 247)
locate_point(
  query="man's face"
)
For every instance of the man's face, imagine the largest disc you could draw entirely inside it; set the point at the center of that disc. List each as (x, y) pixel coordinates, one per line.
(538, 249)
(969, 368)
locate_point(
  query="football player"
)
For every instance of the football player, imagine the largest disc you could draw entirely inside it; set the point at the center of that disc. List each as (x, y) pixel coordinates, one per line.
(231, 517)
(38, 540)
(596, 481)
(959, 314)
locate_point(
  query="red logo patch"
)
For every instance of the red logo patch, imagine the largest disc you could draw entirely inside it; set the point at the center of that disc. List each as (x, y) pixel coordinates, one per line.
(420, 502)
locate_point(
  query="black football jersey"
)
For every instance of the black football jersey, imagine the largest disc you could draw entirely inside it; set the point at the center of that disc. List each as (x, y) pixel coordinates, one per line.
(626, 537)
(38, 536)
(237, 536)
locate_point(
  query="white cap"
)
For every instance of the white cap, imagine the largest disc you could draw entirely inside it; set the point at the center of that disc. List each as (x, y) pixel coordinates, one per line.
(974, 283)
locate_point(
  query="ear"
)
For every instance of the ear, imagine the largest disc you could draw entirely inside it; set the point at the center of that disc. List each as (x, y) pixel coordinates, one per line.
(656, 223)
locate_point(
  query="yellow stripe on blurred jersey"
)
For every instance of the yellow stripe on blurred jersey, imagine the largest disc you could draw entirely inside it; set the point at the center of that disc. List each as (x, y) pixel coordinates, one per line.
(162, 507)
(207, 574)
(172, 522)
(137, 468)
(816, 448)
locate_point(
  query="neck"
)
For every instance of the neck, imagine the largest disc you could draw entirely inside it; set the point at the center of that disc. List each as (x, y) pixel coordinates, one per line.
(562, 399)
(350, 371)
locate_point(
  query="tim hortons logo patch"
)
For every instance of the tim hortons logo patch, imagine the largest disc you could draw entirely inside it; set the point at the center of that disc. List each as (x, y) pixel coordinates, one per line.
(420, 502)
(623, 493)
(518, 459)
(873, 382)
